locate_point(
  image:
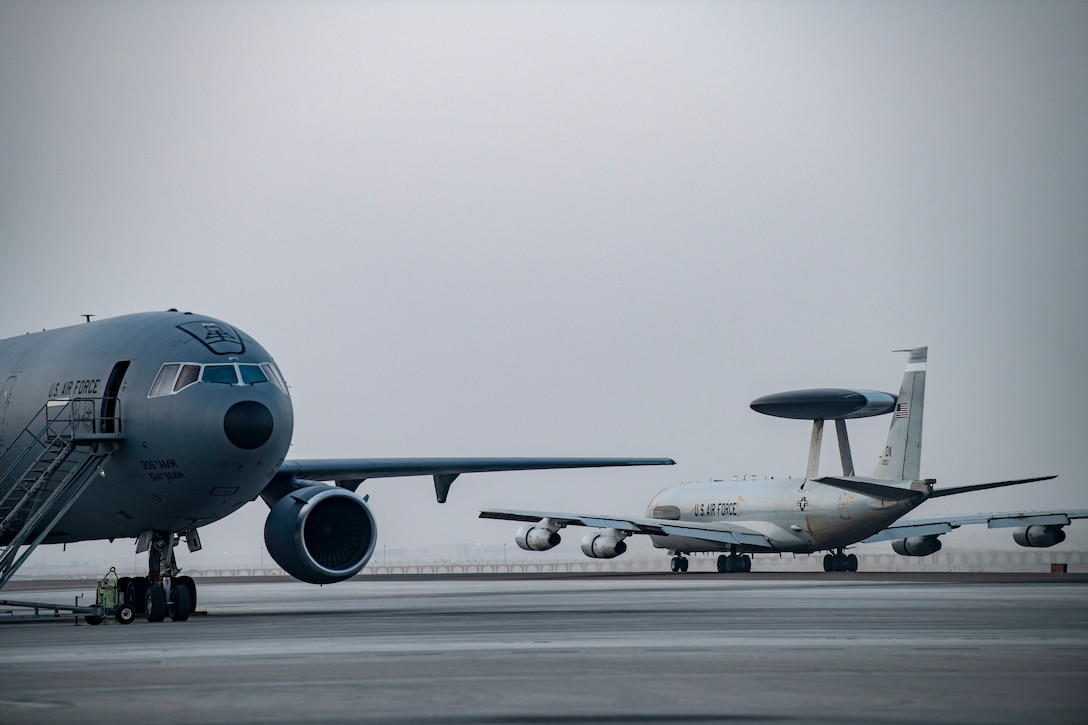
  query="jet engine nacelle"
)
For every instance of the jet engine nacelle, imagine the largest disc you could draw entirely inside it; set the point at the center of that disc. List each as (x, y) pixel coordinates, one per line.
(603, 544)
(917, 545)
(321, 534)
(535, 538)
(1039, 536)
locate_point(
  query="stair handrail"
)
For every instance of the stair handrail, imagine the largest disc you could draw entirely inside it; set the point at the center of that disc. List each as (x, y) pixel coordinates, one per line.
(62, 423)
(32, 492)
(85, 418)
(81, 476)
(28, 447)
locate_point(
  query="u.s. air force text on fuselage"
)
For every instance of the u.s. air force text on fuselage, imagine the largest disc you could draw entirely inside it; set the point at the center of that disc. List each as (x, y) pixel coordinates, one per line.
(74, 387)
(716, 509)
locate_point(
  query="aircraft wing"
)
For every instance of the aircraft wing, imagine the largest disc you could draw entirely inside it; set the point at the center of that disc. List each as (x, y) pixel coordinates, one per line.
(721, 533)
(350, 472)
(943, 524)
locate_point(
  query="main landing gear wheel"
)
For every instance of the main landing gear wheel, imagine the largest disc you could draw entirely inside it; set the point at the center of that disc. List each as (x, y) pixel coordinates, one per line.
(738, 563)
(136, 594)
(679, 564)
(188, 583)
(155, 603)
(840, 562)
(179, 606)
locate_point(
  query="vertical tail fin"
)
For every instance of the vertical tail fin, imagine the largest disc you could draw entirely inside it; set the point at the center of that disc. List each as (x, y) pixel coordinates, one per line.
(902, 456)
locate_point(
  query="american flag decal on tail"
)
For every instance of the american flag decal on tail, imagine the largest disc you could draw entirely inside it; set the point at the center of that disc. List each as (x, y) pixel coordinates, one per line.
(901, 410)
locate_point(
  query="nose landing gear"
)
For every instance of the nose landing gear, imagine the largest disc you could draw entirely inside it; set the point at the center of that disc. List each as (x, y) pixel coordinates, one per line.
(162, 592)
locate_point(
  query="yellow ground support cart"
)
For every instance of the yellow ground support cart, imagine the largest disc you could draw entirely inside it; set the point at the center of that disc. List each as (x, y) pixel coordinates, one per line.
(110, 601)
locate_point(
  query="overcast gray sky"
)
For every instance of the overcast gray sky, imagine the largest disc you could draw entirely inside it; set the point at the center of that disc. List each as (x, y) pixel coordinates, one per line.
(592, 228)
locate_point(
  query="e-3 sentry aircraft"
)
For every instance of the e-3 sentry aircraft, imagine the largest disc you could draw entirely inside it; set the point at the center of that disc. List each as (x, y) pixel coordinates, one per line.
(808, 514)
(152, 425)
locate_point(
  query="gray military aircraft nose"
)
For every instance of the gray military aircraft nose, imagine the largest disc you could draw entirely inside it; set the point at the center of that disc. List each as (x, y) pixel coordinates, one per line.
(248, 424)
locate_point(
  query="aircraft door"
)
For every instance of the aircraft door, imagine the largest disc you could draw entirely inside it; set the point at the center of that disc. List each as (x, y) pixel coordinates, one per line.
(108, 413)
(5, 401)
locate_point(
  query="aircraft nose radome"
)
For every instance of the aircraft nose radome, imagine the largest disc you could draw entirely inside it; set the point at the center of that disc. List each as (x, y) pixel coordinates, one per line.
(248, 424)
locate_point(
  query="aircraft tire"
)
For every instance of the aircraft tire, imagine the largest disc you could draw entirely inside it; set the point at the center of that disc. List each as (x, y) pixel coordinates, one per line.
(683, 564)
(155, 603)
(724, 564)
(136, 594)
(746, 562)
(179, 606)
(852, 562)
(829, 562)
(188, 583)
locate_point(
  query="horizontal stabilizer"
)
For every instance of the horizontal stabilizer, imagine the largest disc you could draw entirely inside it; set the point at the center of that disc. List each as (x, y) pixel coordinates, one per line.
(982, 486)
(872, 487)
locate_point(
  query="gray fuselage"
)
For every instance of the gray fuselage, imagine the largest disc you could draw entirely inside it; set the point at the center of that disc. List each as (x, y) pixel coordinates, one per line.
(207, 441)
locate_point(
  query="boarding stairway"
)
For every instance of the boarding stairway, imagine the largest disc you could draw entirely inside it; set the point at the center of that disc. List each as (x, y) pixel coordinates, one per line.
(56, 456)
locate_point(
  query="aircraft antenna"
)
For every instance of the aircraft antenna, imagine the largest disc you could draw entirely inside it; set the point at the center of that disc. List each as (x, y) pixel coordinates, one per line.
(87, 317)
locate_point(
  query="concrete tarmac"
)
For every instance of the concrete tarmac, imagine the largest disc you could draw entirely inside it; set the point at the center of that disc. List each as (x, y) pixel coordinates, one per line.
(598, 649)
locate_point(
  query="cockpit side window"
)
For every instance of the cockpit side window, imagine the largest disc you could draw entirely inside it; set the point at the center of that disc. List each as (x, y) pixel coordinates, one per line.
(189, 375)
(274, 375)
(164, 382)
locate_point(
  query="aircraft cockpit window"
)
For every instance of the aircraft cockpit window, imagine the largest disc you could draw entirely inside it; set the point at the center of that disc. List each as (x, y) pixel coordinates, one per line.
(252, 374)
(164, 382)
(220, 374)
(274, 375)
(189, 375)
(175, 377)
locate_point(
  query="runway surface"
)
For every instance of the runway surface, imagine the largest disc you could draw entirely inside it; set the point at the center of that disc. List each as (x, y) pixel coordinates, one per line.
(641, 648)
